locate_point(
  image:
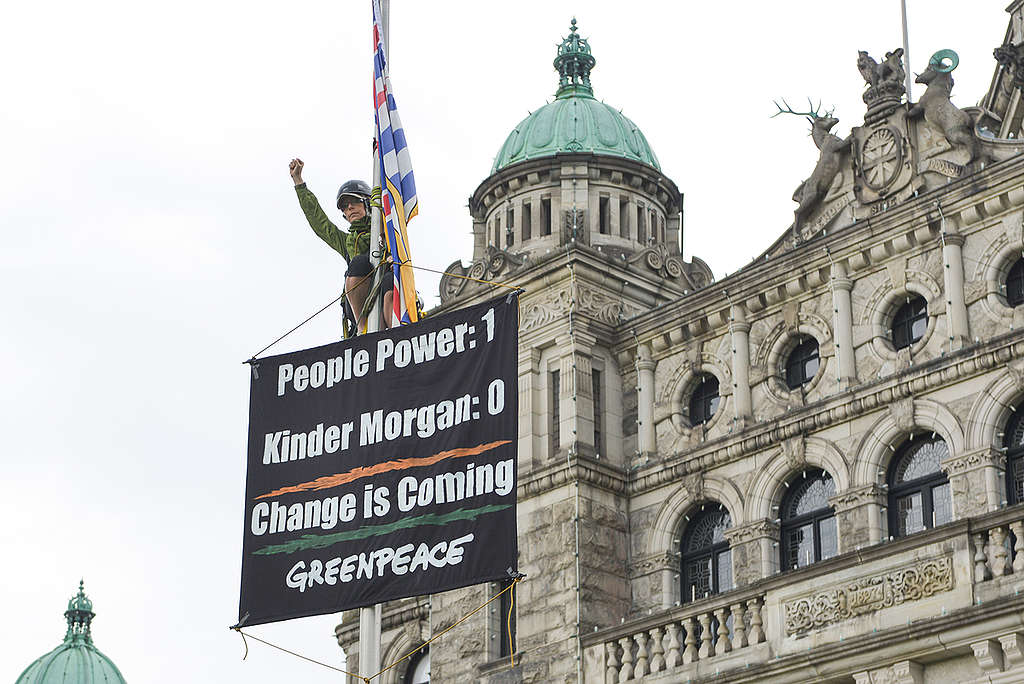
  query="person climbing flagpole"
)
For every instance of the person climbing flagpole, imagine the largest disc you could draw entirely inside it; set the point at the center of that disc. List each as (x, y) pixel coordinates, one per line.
(393, 170)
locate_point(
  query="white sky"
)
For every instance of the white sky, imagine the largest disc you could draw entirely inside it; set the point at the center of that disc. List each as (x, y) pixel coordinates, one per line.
(152, 241)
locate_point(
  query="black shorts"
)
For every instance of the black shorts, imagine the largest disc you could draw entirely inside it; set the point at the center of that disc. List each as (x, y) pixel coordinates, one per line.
(360, 266)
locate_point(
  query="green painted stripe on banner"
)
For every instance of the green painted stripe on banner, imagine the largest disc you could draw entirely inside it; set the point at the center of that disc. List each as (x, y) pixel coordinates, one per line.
(313, 541)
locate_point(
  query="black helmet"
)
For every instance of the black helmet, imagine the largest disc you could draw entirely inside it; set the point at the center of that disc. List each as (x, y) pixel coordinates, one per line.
(355, 188)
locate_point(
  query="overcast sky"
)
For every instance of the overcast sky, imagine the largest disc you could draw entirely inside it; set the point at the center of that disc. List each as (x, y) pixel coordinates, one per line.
(152, 242)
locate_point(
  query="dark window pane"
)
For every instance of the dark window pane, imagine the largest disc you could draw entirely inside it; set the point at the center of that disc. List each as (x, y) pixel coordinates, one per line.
(802, 363)
(829, 537)
(801, 546)
(1017, 485)
(699, 576)
(910, 322)
(724, 562)
(1015, 284)
(707, 530)
(920, 458)
(942, 504)
(909, 514)
(704, 399)
(809, 494)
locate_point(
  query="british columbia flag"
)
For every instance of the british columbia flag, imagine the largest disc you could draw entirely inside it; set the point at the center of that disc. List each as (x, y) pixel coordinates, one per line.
(398, 187)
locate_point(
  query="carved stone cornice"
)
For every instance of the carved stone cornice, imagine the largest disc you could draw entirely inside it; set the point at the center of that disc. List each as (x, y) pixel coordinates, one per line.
(580, 469)
(869, 594)
(758, 529)
(555, 304)
(973, 460)
(858, 496)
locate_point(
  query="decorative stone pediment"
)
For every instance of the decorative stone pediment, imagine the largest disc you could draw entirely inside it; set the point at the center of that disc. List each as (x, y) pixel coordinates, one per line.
(869, 594)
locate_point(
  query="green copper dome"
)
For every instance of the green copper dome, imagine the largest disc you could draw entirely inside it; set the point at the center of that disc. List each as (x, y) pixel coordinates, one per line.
(575, 121)
(76, 661)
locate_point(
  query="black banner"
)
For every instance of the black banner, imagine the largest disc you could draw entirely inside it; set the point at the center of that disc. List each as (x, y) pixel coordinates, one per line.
(382, 467)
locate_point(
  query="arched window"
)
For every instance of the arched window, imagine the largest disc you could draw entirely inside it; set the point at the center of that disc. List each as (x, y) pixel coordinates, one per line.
(808, 521)
(1015, 284)
(418, 671)
(919, 494)
(706, 559)
(802, 364)
(910, 322)
(704, 399)
(1013, 440)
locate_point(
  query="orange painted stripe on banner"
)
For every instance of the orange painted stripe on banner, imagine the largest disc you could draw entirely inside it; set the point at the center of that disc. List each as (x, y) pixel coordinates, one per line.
(329, 481)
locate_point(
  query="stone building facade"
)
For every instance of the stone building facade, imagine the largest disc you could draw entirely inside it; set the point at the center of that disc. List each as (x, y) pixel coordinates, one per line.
(812, 470)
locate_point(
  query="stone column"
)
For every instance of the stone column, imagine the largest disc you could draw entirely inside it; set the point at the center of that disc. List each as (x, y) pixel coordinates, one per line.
(859, 516)
(843, 306)
(613, 214)
(646, 439)
(755, 551)
(976, 481)
(956, 305)
(741, 363)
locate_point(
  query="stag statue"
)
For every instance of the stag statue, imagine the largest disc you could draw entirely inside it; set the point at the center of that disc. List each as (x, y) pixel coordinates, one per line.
(809, 193)
(956, 125)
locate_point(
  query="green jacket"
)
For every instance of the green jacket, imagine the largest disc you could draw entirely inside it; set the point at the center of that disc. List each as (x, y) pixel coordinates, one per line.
(346, 243)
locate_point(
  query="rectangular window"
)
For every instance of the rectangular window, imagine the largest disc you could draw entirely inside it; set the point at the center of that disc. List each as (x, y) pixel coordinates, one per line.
(506, 622)
(598, 412)
(545, 216)
(654, 225)
(527, 220)
(624, 216)
(510, 235)
(661, 223)
(497, 231)
(641, 225)
(555, 411)
(604, 218)
(724, 562)
(829, 537)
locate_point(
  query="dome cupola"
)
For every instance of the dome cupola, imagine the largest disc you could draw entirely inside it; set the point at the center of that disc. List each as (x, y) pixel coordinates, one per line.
(575, 121)
(77, 660)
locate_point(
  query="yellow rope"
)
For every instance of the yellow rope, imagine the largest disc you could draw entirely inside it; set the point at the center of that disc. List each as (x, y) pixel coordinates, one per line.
(456, 275)
(508, 626)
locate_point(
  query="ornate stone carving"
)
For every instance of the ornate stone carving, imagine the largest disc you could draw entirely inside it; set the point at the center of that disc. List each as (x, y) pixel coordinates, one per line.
(902, 412)
(956, 125)
(869, 594)
(884, 80)
(555, 304)
(852, 498)
(658, 258)
(794, 451)
(810, 193)
(758, 529)
(1011, 57)
(494, 263)
(978, 458)
(646, 566)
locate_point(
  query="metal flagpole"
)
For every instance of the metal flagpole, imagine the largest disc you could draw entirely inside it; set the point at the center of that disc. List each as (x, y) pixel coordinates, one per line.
(376, 223)
(369, 617)
(906, 47)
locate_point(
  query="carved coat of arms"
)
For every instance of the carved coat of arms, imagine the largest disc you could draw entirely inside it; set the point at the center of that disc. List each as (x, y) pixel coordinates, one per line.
(882, 163)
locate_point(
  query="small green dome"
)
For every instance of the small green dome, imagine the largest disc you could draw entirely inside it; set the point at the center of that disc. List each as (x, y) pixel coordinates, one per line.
(575, 121)
(77, 660)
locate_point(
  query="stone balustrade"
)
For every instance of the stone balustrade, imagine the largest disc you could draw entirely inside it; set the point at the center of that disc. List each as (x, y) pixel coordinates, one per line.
(952, 572)
(698, 632)
(998, 546)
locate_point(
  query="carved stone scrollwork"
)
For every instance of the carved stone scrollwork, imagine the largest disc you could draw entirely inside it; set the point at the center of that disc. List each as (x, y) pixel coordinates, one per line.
(658, 258)
(758, 529)
(555, 304)
(869, 594)
(853, 498)
(494, 263)
(973, 460)
(646, 566)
